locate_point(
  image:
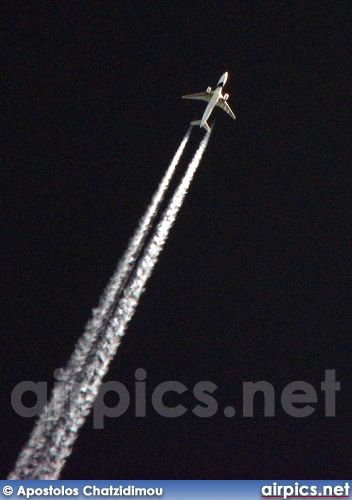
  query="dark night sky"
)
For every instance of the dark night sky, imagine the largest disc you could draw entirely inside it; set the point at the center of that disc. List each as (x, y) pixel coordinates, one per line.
(255, 280)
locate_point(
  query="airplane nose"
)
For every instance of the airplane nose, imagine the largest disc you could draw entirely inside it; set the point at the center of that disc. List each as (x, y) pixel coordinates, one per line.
(223, 79)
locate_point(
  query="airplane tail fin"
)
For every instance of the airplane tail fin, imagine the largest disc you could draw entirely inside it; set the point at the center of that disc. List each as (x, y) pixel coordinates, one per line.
(205, 125)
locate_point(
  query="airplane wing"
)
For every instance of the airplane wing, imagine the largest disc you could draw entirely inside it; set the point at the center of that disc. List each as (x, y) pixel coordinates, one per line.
(203, 96)
(223, 105)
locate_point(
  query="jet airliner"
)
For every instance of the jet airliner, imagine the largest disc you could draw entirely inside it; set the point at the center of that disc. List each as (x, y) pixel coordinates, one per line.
(213, 98)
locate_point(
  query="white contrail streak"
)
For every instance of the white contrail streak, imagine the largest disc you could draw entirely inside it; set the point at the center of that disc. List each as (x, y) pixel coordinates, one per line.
(96, 326)
(46, 452)
(111, 294)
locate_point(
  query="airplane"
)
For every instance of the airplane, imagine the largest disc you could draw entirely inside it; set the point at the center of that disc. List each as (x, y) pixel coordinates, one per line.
(213, 98)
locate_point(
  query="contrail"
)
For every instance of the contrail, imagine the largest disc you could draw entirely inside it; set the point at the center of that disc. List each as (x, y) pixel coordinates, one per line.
(97, 325)
(108, 300)
(46, 452)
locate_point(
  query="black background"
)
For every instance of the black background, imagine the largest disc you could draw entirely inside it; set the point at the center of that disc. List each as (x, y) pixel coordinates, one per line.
(254, 282)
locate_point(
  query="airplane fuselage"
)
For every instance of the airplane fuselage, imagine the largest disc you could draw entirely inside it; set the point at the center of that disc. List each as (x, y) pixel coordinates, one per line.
(211, 105)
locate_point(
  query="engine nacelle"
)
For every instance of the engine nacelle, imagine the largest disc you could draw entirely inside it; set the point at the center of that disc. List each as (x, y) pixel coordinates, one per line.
(226, 96)
(209, 89)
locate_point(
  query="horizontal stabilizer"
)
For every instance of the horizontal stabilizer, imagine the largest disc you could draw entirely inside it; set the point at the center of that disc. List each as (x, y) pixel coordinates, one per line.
(205, 125)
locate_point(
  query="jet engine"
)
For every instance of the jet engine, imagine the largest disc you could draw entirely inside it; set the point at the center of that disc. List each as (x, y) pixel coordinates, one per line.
(209, 89)
(226, 96)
